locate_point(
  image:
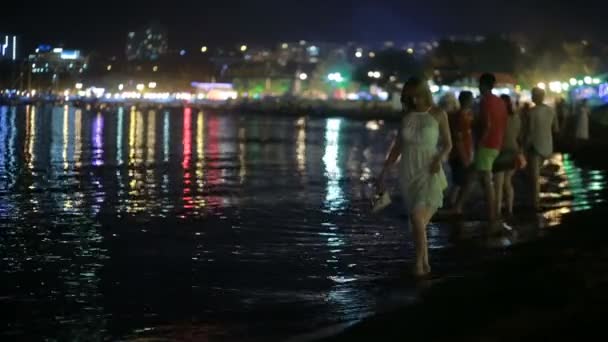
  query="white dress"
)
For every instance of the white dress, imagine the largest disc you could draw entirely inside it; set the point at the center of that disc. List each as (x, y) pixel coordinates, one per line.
(420, 134)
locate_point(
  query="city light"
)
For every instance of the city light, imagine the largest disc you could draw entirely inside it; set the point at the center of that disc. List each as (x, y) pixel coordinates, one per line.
(155, 68)
(121, 86)
(410, 51)
(374, 74)
(303, 76)
(336, 77)
(284, 46)
(580, 82)
(555, 86)
(596, 81)
(243, 48)
(434, 88)
(109, 67)
(358, 54)
(203, 49)
(140, 87)
(152, 85)
(182, 52)
(565, 86)
(78, 86)
(573, 81)
(588, 80)
(541, 85)
(372, 54)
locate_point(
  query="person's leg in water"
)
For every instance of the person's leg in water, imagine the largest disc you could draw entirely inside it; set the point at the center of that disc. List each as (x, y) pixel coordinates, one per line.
(509, 191)
(486, 179)
(535, 162)
(499, 179)
(418, 221)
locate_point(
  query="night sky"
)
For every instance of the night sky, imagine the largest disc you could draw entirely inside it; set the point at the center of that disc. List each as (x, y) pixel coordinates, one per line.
(102, 25)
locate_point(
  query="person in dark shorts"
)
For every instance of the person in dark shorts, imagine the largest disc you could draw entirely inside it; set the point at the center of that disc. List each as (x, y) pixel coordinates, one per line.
(461, 157)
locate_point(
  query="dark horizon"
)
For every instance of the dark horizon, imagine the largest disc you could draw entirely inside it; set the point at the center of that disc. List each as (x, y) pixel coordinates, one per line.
(103, 27)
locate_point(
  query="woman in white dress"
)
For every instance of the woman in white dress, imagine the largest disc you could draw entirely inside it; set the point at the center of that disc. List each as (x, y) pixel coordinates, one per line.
(422, 178)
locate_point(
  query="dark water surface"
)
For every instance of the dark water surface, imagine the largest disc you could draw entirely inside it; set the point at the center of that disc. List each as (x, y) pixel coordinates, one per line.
(185, 225)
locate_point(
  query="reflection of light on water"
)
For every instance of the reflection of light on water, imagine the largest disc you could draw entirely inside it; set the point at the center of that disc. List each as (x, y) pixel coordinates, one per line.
(3, 128)
(65, 136)
(151, 137)
(166, 137)
(575, 180)
(187, 138)
(30, 121)
(119, 128)
(98, 140)
(301, 145)
(136, 136)
(187, 145)
(78, 138)
(242, 160)
(11, 141)
(334, 197)
(132, 119)
(200, 159)
(554, 217)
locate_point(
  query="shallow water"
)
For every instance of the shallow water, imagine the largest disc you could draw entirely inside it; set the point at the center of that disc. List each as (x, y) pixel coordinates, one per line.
(187, 225)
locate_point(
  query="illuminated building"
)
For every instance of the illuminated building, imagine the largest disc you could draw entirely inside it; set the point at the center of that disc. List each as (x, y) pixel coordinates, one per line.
(57, 60)
(9, 47)
(147, 44)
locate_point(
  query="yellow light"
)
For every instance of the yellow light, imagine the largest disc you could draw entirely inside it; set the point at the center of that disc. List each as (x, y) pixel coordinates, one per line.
(109, 67)
(140, 87)
(542, 85)
(243, 48)
(588, 79)
(155, 68)
(573, 81)
(152, 85)
(121, 86)
(410, 51)
(203, 49)
(284, 46)
(78, 86)
(555, 86)
(66, 93)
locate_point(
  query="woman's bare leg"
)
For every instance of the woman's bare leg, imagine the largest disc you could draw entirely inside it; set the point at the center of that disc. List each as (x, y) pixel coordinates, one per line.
(418, 221)
(499, 179)
(509, 191)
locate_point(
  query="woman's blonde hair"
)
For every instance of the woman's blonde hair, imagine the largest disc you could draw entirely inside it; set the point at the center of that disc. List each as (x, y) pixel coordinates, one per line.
(416, 89)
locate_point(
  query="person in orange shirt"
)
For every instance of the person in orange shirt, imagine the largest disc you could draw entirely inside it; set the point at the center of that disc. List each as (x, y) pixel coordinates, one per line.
(461, 122)
(493, 116)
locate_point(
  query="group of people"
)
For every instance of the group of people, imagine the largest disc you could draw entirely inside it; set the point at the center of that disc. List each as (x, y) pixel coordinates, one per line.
(486, 144)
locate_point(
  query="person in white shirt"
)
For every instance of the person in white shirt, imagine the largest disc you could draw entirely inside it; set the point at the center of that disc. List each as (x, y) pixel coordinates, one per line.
(542, 123)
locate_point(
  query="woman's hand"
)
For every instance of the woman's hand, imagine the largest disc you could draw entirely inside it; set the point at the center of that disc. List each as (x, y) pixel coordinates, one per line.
(435, 165)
